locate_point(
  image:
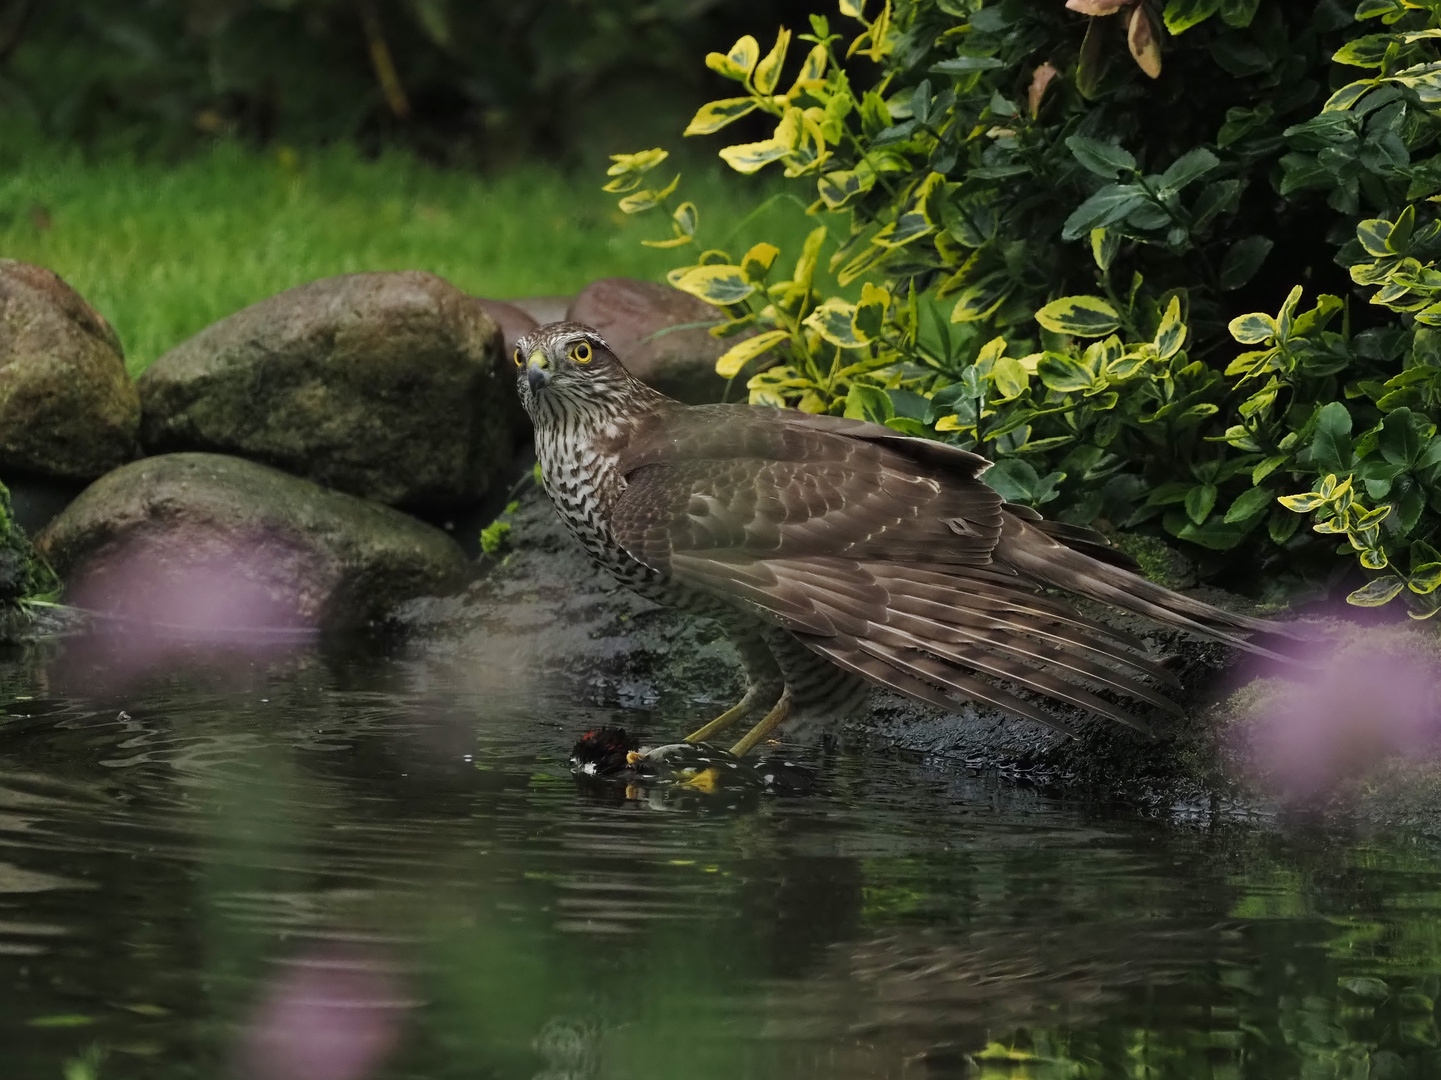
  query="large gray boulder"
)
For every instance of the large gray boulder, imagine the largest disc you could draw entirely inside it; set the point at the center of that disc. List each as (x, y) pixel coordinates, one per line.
(390, 386)
(68, 410)
(212, 538)
(659, 333)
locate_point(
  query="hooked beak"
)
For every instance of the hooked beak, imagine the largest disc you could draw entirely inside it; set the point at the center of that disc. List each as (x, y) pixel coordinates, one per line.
(537, 371)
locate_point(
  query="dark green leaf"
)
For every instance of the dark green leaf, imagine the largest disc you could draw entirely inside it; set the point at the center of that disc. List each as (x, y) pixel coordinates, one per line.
(1199, 502)
(868, 403)
(1014, 480)
(1404, 436)
(1106, 207)
(1103, 159)
(965, 65)
(1243, 259)
(1331, 445)
(1249, 504)
(1181, 15)
(1186, 169)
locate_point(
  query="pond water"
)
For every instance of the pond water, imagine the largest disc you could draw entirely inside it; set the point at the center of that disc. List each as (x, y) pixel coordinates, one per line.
(336, 865)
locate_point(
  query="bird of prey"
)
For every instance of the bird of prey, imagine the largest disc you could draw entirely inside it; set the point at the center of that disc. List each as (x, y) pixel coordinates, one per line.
(836, 553)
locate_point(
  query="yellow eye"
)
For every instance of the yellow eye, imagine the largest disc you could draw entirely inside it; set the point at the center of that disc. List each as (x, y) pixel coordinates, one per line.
(581, 353)
(518, 361)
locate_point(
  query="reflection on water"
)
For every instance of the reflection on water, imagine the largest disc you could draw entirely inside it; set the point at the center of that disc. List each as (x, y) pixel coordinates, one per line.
(342, 867)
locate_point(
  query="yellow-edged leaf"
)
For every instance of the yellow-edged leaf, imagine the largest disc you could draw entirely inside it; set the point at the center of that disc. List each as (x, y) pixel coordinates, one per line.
(739, 62)
(686, 217)
(839, 188)
(869, 257)
(980, 301)
(714, 115)
(1425, 579)
(834, 321)
(645, 200)
(634, 204)
(756, 263)
(768, 71)
(949, 423)
(1010, 377)
(636, 163)
(740, 354)
(1172, 333)
(673, 242)
(1081, 316)
(1302, 504)
(719, 283)
(1378, 592)
(749, 157)
(810, 252)
(812, 69)
(870, 314)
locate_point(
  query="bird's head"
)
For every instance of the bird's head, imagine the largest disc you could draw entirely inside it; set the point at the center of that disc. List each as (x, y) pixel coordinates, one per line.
(566, 365)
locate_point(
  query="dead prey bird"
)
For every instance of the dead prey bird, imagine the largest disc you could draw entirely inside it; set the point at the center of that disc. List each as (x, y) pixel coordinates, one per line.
(611, 754)
(836, 553)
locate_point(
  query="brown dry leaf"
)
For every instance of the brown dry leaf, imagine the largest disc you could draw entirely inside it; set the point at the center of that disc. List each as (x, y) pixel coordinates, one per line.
(1040, 79)
(1145, 47)
(1097, 7)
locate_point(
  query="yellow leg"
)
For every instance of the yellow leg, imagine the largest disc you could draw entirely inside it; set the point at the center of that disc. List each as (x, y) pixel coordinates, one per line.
(747, 705)
(772, 720)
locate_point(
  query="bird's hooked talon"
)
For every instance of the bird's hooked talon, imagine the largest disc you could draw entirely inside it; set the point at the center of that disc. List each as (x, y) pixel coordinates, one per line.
(772, 720)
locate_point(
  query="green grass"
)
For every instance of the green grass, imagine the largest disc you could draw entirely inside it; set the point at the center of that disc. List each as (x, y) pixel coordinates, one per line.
(163, 250)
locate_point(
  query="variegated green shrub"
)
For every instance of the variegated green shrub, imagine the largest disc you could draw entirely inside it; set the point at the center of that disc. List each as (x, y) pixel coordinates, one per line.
(1044, 227)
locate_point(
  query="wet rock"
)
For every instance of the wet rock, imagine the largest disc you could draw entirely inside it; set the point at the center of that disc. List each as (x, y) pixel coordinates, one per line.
(67, 407)
(184, 536)
(513, 322)
(659, 333)
(390, 386)
(544, 309)
(542, 610)
(545, 612)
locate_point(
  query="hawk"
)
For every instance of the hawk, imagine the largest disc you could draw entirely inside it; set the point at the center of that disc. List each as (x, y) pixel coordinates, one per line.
(837, 554)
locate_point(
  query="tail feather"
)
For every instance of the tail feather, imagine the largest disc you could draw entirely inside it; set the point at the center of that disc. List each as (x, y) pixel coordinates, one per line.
(1042, 560)
(927, 679)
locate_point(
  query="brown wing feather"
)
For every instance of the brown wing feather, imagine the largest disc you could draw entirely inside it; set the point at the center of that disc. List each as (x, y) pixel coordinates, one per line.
(891, 557)
(860, 560)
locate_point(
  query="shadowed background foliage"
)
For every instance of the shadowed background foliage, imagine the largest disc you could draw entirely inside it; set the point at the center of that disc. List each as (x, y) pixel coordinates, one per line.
(473, 82)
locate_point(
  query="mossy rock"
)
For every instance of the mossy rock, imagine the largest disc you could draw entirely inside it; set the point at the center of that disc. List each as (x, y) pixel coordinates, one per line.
(299, 552)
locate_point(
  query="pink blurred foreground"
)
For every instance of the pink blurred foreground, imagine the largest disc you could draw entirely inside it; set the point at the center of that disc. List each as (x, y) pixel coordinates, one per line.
(158, 598)
(1374, 697)
(324, 1016)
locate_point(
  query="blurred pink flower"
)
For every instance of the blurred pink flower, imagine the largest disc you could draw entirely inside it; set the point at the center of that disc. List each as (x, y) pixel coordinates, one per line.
(1365, 701)
(160, 595)
(325, 1016)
